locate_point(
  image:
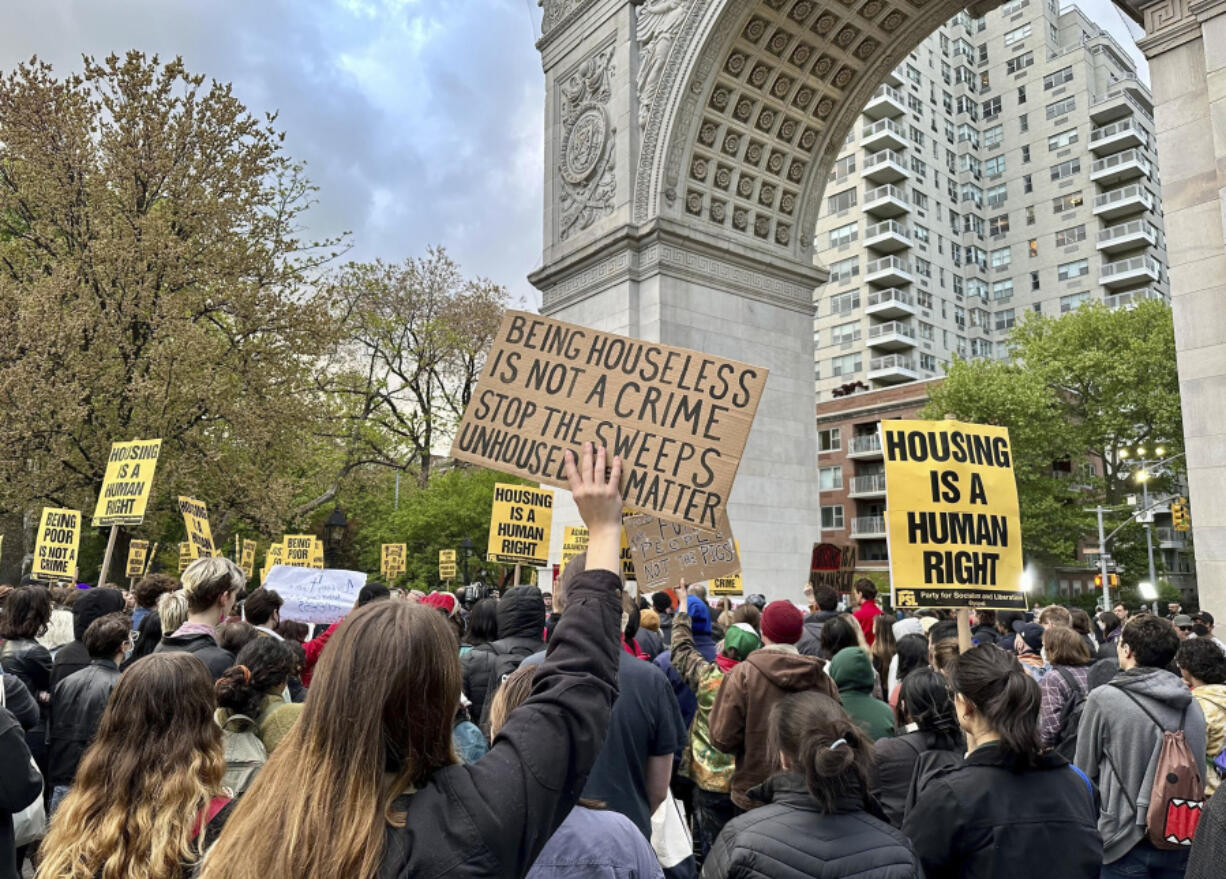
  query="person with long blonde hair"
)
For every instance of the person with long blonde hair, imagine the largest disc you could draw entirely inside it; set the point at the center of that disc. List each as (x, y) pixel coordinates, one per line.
(147, 799)
(367, 782)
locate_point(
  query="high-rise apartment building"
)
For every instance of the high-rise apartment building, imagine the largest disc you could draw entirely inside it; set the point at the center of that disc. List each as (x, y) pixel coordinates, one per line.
(1008, 165)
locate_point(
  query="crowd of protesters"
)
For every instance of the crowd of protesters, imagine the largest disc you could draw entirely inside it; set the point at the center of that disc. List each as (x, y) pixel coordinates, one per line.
(187, 730)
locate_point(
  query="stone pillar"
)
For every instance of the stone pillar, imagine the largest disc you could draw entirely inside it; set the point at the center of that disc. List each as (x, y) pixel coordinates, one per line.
(1186, 46)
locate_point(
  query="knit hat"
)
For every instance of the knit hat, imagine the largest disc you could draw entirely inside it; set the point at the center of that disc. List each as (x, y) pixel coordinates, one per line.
(444, 601)
(649, 619)
(700, 615)
(782, 622)
(740, 641)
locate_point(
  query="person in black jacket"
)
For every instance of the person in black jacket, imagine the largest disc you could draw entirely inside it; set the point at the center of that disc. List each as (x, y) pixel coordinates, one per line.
(827, 602)
(926, 711)
(27, 610)
(19, 702)
(378, 727)
(80, 699)
(1010, 810)
(20, 784)
(820, 821)
(91, 605)
(210, 586)
(521, 628)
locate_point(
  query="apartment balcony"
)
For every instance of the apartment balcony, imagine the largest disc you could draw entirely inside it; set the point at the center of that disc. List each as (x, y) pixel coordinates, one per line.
(1127, 236)
(1132, 298)
(865, 447)
(1122, 135)
(885, 166)
(1130, 272)
(887, 236)
(886, 101)
(885, 201)
(891, 336)
(889, 271)
(1124, 201)
(867, 486)
(1122, 99)
(1168, 538)
(884, 134)
(1119, 167)
(890, 303)
(892, 369)
(868, 527)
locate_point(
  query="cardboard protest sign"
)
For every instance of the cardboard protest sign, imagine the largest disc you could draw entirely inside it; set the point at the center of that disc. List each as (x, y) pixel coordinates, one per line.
(665, 553)
(138, 556)
(246, 556)
(446, 564)
(185, 555)
(952, 517)
(55, 546)
(196, 520)
(392, 559)
(678, 418)
(312, 596)
(298, 549)
(519, 525)
(833, 565)
(126, 483)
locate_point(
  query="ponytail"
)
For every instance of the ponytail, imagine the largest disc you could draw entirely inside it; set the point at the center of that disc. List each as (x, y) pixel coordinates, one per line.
(1007, 697)
(263, 666)
(824, 745)
(924, 699)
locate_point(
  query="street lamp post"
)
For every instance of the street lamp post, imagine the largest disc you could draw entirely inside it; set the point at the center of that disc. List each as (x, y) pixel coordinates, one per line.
(334, 533)
(1147, 468)
(467, 546)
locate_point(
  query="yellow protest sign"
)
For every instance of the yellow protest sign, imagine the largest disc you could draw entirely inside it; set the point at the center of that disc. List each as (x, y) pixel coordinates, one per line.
(317, 554)
(447, 564)
(196, 520)
(574, 542)
(185, 555)
(519, 525)
(298, 549)
(729, 585)
(392, 559)
(55, 547)
(138, 557)
(665, 553)
(126, 483)
(275, 555)
(952, 517)
(246, 555)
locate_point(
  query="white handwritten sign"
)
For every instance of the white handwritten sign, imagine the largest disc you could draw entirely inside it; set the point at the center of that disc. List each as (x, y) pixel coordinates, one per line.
(313, 595)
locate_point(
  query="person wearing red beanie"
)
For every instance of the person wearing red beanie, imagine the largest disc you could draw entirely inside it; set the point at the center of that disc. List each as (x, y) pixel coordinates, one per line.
(782, 623)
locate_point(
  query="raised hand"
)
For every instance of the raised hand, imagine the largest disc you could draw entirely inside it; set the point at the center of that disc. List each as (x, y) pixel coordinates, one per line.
(600, 504)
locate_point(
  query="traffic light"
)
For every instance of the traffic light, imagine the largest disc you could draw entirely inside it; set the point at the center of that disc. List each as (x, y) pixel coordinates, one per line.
(1113, 580)
(1179, 515)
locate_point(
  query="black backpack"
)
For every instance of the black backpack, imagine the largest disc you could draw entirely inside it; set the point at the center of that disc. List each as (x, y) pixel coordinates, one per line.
(1070, 715)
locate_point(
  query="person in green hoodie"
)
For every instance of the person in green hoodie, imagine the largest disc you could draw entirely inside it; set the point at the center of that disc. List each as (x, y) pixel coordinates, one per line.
(852, 672)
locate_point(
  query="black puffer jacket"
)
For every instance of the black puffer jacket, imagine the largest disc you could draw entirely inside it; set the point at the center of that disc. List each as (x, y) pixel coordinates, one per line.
(76, 712)
(895, 765)
(92, 605)
(521, 628)
(31, 662)
(493, 817)
(792, 837)
(996, 819)
(204, 647)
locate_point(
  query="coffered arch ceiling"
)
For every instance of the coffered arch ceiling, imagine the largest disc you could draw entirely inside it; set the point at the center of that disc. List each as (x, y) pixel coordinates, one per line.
(754, 103)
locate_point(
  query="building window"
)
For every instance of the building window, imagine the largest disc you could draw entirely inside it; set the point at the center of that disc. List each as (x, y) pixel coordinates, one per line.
(841, 201)
(1005, 320)
(1034, 247)
(928, 362)
(845, 333)
(1021, 94)
(971, 192)
(1017, 34)
(993, 136)
(843, 167)
(1063, 203)
(998, 225)
(968, 133)
(923, 268)
(1065, 169)
(1025, 154)
(844, 270)
(830, 478)
(1023, 123)
(991, 107)
(1027, 184)
(1002, 289)
(1069, 270)
(1071, 235)
(1001, 257)
(997, 194)
(848, 364)
(919, 200)
(995, 166)
(1021, 62)
(1074, 301)
(920, 233)
(1060, 77)
(1062, 139)
(845, 303)
(844, 234)
(1034, 281)
(829, 440)
(1015, 6)
(1061, 108)
(832, 517)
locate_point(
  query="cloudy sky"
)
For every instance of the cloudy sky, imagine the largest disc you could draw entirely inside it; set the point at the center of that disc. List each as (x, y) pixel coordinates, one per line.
(420, 120)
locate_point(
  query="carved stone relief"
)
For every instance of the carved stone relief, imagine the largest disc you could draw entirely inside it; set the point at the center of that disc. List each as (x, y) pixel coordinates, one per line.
(656, 31)
(586, 166)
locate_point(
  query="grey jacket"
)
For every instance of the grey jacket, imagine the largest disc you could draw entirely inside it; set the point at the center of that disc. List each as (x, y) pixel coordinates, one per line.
(1118, 747)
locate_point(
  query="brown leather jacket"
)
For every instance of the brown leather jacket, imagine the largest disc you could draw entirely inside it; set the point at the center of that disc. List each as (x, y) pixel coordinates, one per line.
(740, 718)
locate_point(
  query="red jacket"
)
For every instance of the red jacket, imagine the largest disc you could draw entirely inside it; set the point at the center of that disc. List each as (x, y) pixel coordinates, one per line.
(865, 614)
(314, 648)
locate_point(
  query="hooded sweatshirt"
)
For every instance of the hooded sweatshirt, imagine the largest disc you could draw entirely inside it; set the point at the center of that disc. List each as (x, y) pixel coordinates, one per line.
(1212, 701)
(521, 624)
(1118, 747)
(740, 716)
(810, 643)
(92, 605)
(852, 672)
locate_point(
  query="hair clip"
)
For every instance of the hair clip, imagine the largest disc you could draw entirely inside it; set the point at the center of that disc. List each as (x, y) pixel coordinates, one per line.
(837, 743)
(246, 674)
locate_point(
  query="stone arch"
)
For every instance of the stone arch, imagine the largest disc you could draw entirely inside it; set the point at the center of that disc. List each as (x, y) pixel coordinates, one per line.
(755, 102)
